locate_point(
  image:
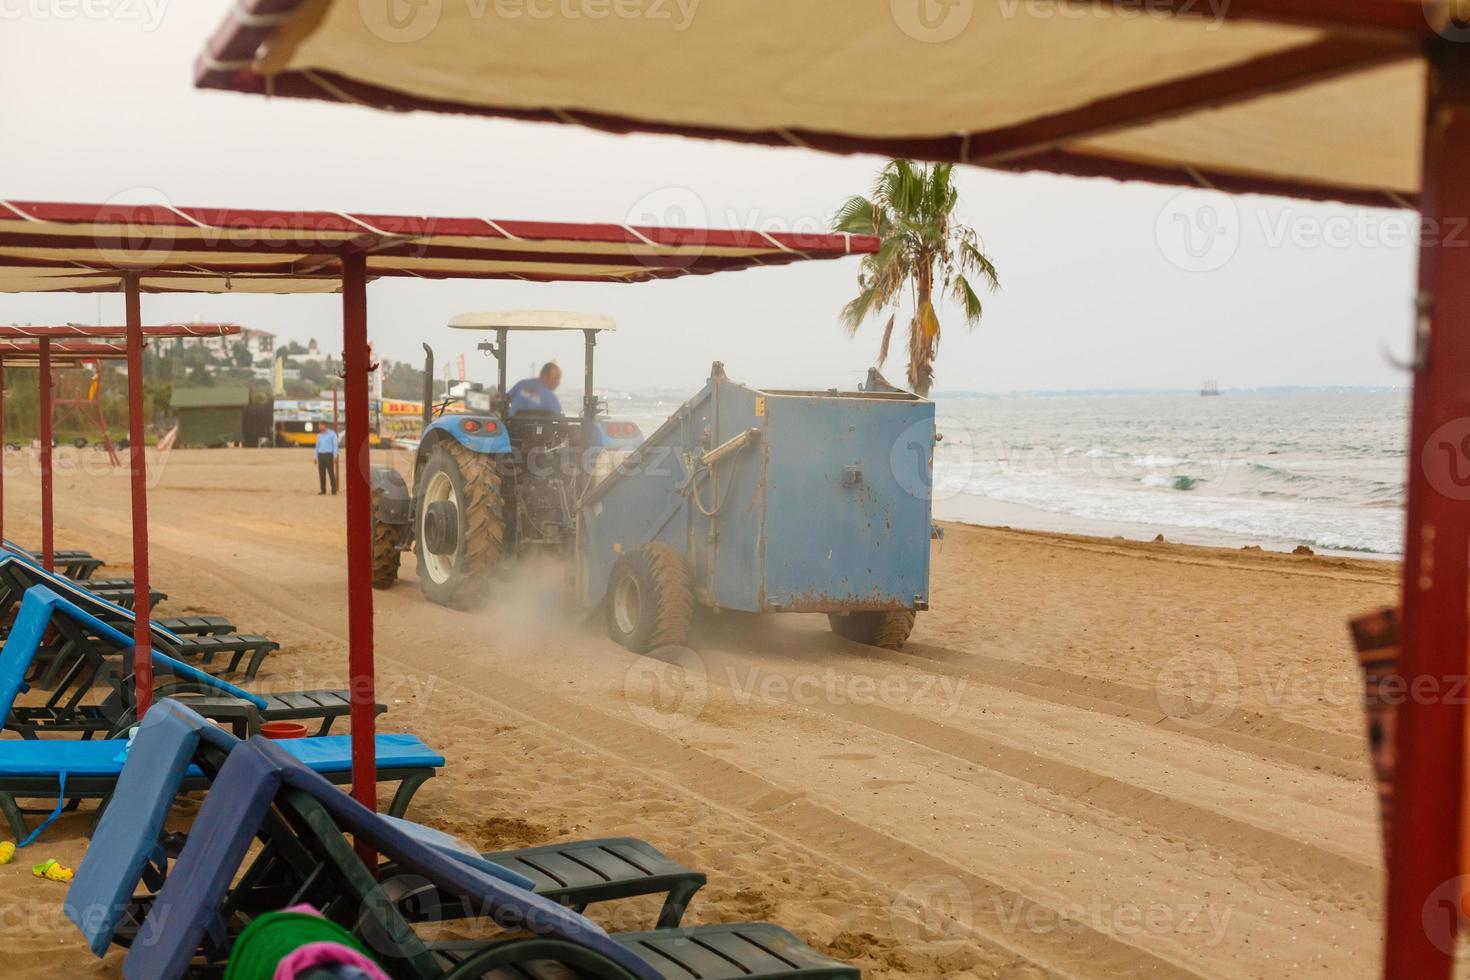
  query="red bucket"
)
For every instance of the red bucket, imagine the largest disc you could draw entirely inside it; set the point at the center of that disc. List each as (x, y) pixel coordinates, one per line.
(283, 729)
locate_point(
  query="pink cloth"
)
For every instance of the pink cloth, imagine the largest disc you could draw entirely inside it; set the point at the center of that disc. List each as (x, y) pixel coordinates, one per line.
(324, 954)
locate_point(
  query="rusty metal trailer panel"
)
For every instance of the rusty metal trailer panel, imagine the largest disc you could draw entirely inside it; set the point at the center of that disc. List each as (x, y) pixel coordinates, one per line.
(780, 500)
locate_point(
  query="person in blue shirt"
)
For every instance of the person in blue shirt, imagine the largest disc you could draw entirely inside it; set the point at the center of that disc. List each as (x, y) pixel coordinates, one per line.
(538, 393)
(326, 458)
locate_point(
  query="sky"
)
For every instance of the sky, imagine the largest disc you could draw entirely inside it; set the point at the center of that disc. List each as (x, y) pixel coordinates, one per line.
(1103, 285)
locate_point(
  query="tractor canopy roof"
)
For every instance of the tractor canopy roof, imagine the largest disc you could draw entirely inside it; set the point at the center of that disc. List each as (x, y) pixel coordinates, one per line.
(531, 320)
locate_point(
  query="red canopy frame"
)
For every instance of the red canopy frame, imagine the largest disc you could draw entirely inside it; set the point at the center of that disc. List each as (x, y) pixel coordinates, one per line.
(48, 342)
(51, 247)
(45, 356)
(1425, 848)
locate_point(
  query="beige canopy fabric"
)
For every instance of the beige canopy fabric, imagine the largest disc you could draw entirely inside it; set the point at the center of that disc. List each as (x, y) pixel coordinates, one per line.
(1318, 98)
(48, 247)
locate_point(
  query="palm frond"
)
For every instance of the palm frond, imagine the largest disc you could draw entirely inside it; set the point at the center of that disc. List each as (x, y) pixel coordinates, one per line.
(887, 336)
(859, 216)
(969, 300)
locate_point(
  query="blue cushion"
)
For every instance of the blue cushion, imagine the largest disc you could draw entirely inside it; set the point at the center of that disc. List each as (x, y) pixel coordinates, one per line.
(193, 894)
(127, 835)
(157, 762)
(19, 651)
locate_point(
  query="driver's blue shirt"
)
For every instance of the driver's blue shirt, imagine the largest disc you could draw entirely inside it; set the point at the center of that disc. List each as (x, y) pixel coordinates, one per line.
(533, 394)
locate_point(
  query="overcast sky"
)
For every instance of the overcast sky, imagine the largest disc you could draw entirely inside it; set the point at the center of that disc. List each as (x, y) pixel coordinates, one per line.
(1101, 288)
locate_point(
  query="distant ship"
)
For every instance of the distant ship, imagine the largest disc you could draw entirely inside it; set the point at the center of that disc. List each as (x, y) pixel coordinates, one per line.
(1211, 389)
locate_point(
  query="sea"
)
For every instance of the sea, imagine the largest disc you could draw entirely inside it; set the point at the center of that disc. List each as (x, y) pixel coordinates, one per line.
(1277, 468)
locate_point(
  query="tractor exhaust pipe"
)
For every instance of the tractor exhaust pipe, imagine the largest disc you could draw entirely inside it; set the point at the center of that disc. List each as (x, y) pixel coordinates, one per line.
(428, 385)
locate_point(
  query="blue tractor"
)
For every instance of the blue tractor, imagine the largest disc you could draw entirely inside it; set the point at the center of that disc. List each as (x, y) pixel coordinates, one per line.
(746, 500)
(489, 485)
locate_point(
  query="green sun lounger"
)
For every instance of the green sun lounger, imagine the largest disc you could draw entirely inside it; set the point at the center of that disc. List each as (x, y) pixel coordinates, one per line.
(68, 711)
(74, 564)
(123, 870)
(259, 783)
(202, 645)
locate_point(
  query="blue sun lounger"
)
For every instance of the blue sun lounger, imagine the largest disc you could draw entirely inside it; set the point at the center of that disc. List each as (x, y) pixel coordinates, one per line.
(64, 710)
(173, 748)
(259, 781)
(125, 851)
(70, 770)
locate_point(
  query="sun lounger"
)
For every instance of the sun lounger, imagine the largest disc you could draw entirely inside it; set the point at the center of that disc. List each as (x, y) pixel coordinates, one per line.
(259, 781)
(72, 563)
(66, 712)
(250, 648)
(19, 572)
(124, 852)
(70, 770)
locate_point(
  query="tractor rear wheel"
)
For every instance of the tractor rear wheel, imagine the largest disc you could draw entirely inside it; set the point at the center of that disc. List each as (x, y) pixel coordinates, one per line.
(385, 548)
(459, 525)
(650, 599)
(880, 629)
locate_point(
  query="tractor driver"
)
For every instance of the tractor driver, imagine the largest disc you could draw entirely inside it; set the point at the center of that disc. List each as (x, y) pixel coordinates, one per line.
(538, 393)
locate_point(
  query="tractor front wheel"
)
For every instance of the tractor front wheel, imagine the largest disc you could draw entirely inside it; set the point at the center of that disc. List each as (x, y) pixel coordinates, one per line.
(880, 629)
(650, 600)
(458, 525)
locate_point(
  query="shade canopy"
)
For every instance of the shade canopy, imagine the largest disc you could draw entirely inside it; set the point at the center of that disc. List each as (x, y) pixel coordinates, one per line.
(1315, 98)
(48, 247)
(16, 353)
(532, 320)
(85, 331)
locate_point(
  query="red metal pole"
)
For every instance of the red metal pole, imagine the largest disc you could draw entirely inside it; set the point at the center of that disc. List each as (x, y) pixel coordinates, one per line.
(359, 538)
(48, 510)
(1423, 907)
(142, 632)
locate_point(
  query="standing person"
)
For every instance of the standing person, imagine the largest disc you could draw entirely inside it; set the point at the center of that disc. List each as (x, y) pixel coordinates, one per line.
(326, 458)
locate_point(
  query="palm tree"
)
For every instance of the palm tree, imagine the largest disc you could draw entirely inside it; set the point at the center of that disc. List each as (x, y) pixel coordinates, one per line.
(912, 214)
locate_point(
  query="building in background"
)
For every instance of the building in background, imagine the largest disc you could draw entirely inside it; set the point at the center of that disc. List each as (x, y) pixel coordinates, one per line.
(223, 415)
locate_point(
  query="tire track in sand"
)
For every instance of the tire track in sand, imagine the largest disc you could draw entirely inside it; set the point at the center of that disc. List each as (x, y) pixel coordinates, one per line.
(1074, 948)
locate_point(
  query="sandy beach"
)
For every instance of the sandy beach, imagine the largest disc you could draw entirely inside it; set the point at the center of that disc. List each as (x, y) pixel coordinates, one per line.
(1095, 758)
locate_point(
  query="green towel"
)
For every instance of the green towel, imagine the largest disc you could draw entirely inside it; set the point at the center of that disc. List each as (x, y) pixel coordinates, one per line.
(271, 937)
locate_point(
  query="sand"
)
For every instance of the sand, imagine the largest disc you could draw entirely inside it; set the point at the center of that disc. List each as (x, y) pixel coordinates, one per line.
(1096, 758)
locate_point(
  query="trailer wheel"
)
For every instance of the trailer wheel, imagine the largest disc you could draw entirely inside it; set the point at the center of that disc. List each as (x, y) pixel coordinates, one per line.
(880, 629)
(650, 600)
(458, 525)
(385, 549)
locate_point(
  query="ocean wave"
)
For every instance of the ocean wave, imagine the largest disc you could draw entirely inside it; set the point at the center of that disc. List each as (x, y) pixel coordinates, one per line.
(1160, 505)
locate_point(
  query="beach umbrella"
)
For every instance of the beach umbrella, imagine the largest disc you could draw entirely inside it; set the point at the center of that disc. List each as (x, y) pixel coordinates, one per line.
(1362, 101)
(63, 247)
